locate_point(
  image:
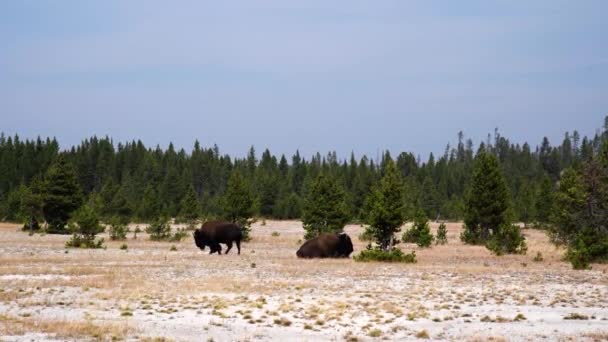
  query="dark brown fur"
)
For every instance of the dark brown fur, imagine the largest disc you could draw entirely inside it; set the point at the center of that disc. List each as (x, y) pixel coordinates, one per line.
(213, 233)
(327, 245)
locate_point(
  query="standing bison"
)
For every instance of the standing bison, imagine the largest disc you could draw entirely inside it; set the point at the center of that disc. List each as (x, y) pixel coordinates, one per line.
(213, 233)
(327, 245)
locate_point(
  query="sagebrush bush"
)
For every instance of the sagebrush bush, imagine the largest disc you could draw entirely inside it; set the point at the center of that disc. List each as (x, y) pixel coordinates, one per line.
(392, 255)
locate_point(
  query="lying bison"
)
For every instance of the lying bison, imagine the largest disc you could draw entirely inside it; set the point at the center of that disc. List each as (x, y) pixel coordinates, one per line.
(213, 233)
(327, 245)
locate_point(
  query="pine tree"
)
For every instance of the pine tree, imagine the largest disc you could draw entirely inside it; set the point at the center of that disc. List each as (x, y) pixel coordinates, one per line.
(544, 202)
(420, 232)
(238, 202)
(581, 214)
(62, 195)
(31, 205)
(527, 204)
(120, 208)
(149, 208)
(288, 206)
(324, 207)
(487, 201)
(190, 207)
(85, 226)
(442, 234)
(487, 214)
(118, 229)
(386, 208)
(429, 198)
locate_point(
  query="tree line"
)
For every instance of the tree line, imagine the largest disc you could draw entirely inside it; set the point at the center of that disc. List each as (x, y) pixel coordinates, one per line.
(140, 183)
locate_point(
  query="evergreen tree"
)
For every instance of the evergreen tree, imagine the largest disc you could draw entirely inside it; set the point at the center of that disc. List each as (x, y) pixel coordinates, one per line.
(442, 234)
(386, 208)
(544, 202)
(429, 198)
(238, 202)
(85, 226)
(527, 204)
(31, 205)
(190, 207)
(487, 201)
(324, 207)
(120, 208)
(420, 232)
(581, 214)
(288, 207)
(62, 195)
(487, 217)
(118, 229)
(159, 229)
(149, 209)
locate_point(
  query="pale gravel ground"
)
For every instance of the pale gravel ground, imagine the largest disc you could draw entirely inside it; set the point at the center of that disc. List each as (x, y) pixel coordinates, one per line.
(189, 295)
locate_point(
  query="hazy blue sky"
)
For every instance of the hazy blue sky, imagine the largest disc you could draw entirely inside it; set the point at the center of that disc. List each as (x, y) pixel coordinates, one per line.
(309, 75)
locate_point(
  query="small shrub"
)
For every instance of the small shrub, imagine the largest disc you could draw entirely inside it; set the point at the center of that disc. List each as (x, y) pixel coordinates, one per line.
(137, 230)
(124, 247)
(78, 241)
(178, 236)
(442, 234)
(118, 230)
(84, 228)
(538, 257)
(275, 234)
(589, 245)
(173, 248)
(159, 229)
(507, 240)
(576, 316)
(375, 333)
(393, 255)
(519, 317)
(282, 321)
(423, 334)
(420, 233)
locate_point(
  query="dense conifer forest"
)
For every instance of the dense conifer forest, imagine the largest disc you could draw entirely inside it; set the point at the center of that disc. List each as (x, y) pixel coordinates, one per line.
(141, 183)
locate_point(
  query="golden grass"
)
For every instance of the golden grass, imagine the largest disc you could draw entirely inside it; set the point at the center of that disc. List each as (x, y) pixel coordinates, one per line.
(319, 293)
(64, 329)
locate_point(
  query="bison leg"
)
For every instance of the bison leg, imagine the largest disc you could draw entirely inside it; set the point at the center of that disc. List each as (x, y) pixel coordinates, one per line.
(238, 246)
(229, 244)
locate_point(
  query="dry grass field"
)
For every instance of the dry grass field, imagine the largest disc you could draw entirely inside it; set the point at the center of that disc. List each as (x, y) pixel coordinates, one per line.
(151, 293)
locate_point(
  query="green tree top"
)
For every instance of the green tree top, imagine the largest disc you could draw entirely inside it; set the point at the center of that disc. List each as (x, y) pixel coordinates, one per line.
(190, 207)
(386, 207)
(62, 195)
(487, 200)
(324, 207)
(238, 202)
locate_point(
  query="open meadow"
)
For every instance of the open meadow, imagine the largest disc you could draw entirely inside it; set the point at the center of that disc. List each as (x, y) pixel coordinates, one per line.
(152, 293)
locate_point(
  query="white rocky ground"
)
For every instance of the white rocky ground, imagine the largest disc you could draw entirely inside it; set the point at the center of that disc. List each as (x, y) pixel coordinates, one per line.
(454, 292)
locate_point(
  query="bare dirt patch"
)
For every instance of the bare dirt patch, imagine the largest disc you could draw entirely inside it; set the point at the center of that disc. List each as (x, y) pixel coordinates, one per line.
(151, 292)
